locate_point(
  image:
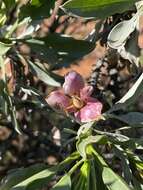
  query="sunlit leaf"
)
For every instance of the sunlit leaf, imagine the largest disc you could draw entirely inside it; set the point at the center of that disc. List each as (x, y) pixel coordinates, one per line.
(63, 184)
(85, 172)
(97, 8)
(18, 175)
(38, 180)
(112, 180)
(4, 48)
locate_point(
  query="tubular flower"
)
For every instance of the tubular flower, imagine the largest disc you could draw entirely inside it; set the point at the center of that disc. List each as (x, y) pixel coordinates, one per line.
(76, 99)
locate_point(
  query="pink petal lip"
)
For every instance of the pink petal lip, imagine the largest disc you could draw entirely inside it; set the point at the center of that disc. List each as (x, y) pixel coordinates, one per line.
(90, 112)
(73, 83)
(58, 100)
(86, 92)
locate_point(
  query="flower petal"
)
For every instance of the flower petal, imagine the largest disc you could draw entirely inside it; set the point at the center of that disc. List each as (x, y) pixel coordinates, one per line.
(58, 100)
(90, 112)
(86, 92)
(73, 83)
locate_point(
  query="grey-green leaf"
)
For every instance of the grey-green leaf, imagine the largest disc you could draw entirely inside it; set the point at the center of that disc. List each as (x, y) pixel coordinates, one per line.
(120, 33)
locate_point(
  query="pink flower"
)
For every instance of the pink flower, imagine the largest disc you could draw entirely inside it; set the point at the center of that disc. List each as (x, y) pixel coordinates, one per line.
(90, 112)
(76, 98)
(58, 100)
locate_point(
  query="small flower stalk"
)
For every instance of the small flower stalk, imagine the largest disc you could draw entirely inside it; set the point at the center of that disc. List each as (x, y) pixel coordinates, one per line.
(75, 98)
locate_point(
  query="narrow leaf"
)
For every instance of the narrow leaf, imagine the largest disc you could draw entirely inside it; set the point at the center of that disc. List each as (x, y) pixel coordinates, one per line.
(131, 96)
(43, 75)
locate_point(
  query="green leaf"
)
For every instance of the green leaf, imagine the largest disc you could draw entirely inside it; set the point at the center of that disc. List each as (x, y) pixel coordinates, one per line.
(119, 152)
(36, 181)
(18, 175)
(97, 8)
(3, 16)
(112, 180)
(9, 4)
(10, 109)
(13, 117)
(93, 177)
(35, 176)
(59, 50)
(96, 181)
(137, 184)
(84, 142)
(82, 180)
(63, 184)
(3, 102)
(43, 75)
(85, 172)
(4, 48)
(37, 9)
(134, 119)
(130, 97)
